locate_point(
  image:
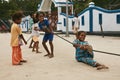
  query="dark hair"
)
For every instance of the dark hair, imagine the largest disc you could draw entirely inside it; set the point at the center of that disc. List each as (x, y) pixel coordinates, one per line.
(31, 14)
(37, 15)
(42, 13)
(79, 32)
(76, 15)
(17, 15)
(36, 18)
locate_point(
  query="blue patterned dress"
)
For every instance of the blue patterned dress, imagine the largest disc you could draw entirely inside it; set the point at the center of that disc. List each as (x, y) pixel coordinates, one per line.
(83, 55)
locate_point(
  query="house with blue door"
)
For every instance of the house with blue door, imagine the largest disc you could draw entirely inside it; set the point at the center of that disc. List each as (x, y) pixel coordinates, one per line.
(94, 17)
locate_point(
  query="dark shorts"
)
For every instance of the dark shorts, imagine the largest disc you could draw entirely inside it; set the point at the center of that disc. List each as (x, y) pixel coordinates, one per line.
(48, 37)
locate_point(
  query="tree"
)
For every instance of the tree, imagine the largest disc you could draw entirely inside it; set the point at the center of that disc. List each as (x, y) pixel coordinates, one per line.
(108, 4)
(28, 6)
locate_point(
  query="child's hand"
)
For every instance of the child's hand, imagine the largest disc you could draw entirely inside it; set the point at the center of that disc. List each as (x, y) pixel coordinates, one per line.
(86, 47)
(72, 28)
(76, 45)
(52, 32)
(83, 47)
(25, 42)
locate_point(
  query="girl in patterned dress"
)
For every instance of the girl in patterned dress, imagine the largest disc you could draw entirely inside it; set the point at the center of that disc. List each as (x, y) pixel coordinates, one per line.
(84, 52)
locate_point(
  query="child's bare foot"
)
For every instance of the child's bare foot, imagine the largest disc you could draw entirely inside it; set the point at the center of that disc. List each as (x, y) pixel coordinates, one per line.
(24, 61)
(18, 63)
(102, 67)
(30, 47)
(46, 55)
(33, 50)
(38, 52)
(105, 67)
(51, 56)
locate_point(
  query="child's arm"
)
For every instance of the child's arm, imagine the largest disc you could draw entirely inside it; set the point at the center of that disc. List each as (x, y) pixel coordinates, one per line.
(51, 29)
(76, 45)
(21, 36)
(36, 29)
(83, 47)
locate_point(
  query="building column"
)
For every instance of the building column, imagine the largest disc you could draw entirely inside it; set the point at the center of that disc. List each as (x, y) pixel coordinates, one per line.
(59, 11)
(59, 26)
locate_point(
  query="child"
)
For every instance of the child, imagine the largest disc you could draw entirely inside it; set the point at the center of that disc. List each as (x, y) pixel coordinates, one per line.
(75, 25)
(35, 35)
(35, 20)
(84, 51)
(31, 21)
(16, 37)
(44, 26)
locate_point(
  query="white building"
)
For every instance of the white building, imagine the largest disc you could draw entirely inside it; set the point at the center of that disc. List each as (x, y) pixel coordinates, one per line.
(45, 6)
(93, 17)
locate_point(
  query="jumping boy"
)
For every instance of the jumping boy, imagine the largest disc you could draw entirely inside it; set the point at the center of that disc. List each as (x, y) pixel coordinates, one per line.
(16, 37)
(44, 26)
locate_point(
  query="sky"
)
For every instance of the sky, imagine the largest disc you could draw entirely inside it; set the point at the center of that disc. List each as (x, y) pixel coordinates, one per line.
(6, 0)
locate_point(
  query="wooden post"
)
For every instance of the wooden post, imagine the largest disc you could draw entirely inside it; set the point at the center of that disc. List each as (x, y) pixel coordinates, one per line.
(67, 32)
(102, 30)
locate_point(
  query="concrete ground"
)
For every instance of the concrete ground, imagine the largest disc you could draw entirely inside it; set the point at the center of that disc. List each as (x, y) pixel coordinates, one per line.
(63, 66)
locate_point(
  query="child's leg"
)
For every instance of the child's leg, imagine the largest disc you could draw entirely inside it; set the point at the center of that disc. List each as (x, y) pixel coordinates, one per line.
(91, 62)
(30, 46)
(88, 61)
(46, 48)
(50, 38)
(37, 47)
(51, 47)
(34, 46)
(20, 55)
(15, 56)
(101, 66)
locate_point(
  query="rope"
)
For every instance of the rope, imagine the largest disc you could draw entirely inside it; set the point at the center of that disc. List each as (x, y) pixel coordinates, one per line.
(93, 50)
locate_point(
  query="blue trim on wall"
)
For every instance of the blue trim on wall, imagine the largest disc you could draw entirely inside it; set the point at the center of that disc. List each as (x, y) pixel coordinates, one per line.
(69, 16)
(63, 2)
(91, 20)
(105, 10)
(99, 9)
(83, 11)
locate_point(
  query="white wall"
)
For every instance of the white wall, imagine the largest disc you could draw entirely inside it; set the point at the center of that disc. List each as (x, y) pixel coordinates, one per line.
(84, 27)
(108, 21)
(25, 24)
(63, 28)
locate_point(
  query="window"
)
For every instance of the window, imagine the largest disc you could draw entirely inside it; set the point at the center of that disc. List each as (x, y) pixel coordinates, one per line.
(118, 19)
(100, 18)
(83, 22)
